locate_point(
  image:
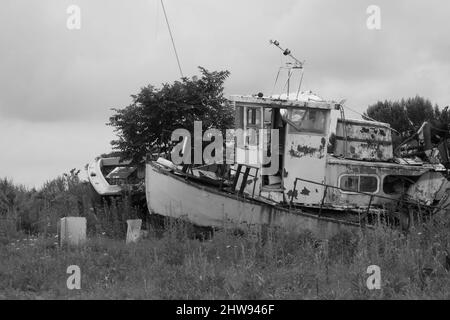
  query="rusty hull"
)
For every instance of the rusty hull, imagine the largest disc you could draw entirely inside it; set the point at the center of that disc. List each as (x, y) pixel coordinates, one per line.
(175, 196)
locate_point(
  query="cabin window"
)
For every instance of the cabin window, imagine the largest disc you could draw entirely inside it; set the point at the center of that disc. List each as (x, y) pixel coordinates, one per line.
(308, 120)
(267, 116)
(358, 183)
(253, 117)
(368, 184)
(253, 124)
(349, 183)
(239, 118)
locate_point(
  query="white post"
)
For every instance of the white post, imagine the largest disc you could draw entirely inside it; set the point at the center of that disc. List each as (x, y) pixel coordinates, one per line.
(133, 230)
(72, 230)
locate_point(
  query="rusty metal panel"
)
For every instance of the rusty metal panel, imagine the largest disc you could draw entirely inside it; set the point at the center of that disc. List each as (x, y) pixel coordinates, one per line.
(365, 140)
(305, 157)
(339, 167)
(336, 197)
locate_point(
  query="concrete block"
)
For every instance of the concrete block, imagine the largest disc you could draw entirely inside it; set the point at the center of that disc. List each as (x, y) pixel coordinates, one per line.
(72, 230)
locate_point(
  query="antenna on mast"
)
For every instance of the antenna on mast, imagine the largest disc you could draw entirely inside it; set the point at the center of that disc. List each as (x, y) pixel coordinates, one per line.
(295, 64)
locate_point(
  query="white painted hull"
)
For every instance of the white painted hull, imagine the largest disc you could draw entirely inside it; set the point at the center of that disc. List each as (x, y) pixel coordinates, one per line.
(98, 181)
(174, 196)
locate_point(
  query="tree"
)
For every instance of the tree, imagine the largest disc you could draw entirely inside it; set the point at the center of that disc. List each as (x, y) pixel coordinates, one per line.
(407, 115)
(148, 122)
(390, 112)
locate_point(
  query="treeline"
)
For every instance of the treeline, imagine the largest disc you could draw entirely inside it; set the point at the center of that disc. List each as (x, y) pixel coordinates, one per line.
(407, 115)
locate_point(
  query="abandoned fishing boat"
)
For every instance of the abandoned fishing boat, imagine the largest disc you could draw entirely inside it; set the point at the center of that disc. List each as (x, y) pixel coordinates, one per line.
(332, 173)
(110, 176)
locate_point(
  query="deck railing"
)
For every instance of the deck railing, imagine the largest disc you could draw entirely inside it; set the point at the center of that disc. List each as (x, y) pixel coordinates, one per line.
(370, 195)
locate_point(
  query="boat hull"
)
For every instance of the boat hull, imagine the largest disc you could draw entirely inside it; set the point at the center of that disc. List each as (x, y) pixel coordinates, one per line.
(171, 195)
(98, 181)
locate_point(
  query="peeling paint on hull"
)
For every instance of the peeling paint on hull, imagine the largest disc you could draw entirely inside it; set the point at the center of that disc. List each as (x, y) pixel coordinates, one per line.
(363, 140)
(174, 196)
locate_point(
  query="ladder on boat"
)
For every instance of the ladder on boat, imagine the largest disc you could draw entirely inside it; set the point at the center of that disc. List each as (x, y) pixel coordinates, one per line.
(239, 184)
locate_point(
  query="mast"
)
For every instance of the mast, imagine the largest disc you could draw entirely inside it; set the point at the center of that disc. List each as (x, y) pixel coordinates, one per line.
(291, 66)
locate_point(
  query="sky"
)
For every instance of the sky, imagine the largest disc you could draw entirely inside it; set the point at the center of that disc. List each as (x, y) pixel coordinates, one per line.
(57, 86)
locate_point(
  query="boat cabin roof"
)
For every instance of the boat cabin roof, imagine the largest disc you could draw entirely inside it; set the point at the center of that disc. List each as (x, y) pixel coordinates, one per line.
(366, 122)
(282, 101)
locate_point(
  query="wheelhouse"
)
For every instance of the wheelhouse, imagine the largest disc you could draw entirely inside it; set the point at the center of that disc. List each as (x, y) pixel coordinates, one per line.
(322, 159)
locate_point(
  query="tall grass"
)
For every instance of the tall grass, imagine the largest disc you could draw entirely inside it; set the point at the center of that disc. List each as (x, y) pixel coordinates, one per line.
(171, 264)
(37, 212)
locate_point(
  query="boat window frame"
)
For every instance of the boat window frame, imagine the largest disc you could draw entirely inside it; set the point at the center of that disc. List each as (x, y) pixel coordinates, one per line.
(256, 110)
(359, 175)
(256, 127)
(294, 129)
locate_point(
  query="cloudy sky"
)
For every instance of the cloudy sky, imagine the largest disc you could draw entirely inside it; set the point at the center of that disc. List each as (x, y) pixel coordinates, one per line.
(57, 85)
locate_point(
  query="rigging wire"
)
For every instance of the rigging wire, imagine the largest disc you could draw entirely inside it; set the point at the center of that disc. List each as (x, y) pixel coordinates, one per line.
(287, 82)
(276, 79)
(299, 85)
(171, 37)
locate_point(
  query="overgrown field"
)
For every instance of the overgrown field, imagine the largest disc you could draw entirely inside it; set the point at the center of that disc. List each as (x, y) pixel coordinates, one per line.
(174, 265)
